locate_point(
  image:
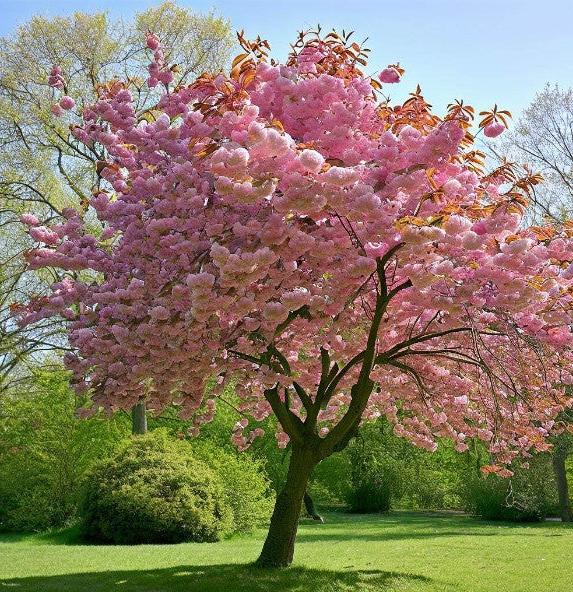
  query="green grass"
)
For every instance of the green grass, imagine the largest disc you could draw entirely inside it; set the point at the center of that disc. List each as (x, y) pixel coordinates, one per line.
(400, 552)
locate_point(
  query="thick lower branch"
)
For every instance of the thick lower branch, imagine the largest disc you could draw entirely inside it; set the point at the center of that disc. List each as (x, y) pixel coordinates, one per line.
(290, 423)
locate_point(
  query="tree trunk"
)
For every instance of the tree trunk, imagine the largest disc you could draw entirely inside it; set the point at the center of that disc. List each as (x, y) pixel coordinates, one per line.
(311, 508)
(138, 419)
(278, 549)
(562, 486)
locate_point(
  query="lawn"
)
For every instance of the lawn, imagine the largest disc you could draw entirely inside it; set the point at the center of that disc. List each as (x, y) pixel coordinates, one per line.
(400, 552)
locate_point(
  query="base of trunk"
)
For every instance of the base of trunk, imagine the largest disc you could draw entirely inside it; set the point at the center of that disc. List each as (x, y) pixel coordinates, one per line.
(278, 550)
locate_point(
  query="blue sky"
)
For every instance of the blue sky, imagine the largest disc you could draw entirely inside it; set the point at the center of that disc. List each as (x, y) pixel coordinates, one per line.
(482, 51)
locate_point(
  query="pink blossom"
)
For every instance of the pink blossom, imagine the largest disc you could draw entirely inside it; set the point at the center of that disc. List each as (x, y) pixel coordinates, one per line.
(152, 41)
(44, 235)
(67, 102)
(29, 219)
(389, 75)
(493, 129)
(363, 266)
(275, 312)
(55, 79)
(159, 313)
(311, 160)
(57, 110)
(340, 176)
(295, 299)
(201, 281)
(295, 230)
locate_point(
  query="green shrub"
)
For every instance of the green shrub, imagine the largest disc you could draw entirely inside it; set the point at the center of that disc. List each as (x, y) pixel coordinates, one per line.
(154, 491)
(370, 494)
(428, 480)
(372, 475)
(398, 474)
(528, 496)
(45, 451)
(246, 483)
(330, 484)
(489, 498)
(246, 488)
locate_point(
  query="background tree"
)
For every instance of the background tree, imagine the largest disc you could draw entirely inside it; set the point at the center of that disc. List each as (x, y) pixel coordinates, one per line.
(336, 257)
(43, 168)
(45, 452)
(543, 137)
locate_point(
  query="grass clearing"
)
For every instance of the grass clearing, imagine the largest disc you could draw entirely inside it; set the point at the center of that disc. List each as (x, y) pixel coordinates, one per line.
(404, 551)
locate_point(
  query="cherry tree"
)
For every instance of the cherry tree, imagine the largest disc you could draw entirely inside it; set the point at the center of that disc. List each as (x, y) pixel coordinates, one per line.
(337, 257)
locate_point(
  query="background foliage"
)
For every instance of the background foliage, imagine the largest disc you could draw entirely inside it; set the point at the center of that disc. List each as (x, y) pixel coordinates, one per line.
(45, 451)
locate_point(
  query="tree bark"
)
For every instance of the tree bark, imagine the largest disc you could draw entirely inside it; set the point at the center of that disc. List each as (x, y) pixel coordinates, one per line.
(138, 419)
(562, 486)
(278, 549)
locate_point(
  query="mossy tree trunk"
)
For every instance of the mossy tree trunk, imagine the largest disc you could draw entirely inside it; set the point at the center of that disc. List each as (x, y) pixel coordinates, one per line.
(138, 419)
(559, 469)
(278, 549)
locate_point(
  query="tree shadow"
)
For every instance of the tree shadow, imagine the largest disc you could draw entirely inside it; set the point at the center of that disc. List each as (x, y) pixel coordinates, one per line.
(339, 526)
(402, 526)
(62, 536)
(216, 578)
(338, 536)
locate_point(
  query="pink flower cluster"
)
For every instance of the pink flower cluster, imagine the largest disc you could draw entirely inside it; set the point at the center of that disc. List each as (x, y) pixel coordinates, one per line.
(493, 129)
(159, 70)
(389, 75)
(66, 103)
(56, 80)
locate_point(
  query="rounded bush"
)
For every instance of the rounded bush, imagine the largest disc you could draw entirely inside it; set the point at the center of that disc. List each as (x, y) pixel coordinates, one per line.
(154, 491)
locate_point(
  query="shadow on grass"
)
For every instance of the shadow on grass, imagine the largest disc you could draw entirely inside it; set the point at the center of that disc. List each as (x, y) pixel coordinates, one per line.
(216, 578)
(62, 536)
(401, 526)
(339, 536)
